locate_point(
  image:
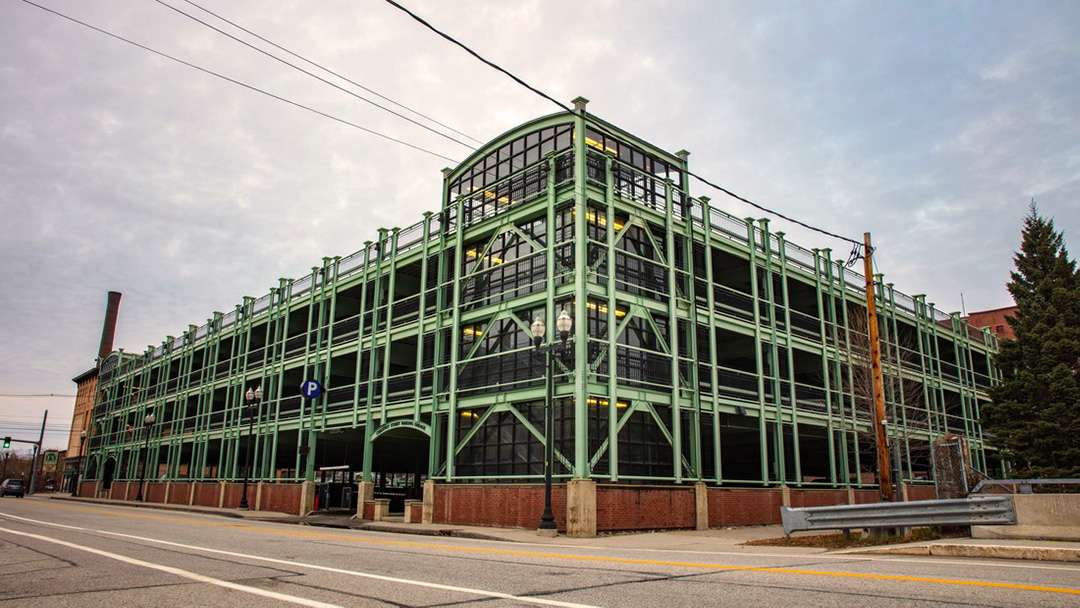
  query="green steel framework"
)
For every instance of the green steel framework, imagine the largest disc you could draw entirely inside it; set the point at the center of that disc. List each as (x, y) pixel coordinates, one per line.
(754, 335)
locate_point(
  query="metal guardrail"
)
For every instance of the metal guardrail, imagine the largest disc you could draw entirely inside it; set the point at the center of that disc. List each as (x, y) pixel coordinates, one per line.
(980, 510)
(1024, 484)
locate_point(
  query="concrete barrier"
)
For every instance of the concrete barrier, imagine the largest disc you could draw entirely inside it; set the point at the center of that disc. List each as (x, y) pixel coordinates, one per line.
(1039, 516)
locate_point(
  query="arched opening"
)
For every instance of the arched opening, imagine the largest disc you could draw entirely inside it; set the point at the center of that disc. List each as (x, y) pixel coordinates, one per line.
(108, 473)
(400, 463)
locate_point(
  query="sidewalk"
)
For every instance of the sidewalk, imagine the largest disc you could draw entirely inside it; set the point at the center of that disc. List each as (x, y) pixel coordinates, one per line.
(719, 540)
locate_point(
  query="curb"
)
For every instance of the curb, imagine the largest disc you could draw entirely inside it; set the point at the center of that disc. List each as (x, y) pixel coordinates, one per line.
(1050, 554)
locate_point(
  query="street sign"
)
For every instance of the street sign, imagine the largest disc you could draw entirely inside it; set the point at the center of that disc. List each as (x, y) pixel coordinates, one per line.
(49, 461)
(311, 389)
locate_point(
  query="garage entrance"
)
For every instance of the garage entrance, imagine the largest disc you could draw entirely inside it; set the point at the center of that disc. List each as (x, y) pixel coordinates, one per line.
(400, 462)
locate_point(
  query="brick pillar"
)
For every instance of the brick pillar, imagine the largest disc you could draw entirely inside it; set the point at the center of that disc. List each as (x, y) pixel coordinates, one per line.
(581, 508)
(701, 506)
(382, 508)
(365, 493)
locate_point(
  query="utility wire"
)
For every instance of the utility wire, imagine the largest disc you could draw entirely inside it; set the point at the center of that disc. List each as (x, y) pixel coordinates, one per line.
(315, 76)
(34, 395)
(329, 71)
(242, 84)
(474, 54)
(857, 245)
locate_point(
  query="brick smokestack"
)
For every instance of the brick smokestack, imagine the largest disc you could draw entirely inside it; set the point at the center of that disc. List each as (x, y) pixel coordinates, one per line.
(108, 331)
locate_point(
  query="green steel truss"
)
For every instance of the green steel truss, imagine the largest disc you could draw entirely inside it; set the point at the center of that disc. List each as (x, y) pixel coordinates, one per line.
(705, 347)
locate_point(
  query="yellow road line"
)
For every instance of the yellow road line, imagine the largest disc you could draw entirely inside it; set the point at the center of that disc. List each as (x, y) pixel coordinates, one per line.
(617, 560)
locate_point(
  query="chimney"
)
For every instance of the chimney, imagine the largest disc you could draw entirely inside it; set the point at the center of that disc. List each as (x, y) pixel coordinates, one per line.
(108, 331)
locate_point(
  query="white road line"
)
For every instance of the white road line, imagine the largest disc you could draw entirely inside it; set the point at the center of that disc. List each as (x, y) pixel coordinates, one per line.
(292, 599)
(846, 557)
(391, 579)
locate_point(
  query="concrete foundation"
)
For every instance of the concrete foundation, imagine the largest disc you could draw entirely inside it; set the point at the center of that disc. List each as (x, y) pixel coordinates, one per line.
(1039, 516)
(581, 508)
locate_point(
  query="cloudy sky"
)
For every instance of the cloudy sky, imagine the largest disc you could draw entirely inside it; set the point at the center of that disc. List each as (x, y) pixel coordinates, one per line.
(929, 124)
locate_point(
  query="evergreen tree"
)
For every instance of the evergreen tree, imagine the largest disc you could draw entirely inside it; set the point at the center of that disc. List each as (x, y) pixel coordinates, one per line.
(1034, 417)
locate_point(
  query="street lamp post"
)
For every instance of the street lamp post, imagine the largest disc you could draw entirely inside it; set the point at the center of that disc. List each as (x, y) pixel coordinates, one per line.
(253, 398)
(563, 323)
(148, 422)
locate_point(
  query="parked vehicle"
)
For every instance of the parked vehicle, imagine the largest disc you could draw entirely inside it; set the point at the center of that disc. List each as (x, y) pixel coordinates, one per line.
(13, 487)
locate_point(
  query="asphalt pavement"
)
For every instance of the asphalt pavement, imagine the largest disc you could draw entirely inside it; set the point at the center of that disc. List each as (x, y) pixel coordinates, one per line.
(721, 540)
(115, 554)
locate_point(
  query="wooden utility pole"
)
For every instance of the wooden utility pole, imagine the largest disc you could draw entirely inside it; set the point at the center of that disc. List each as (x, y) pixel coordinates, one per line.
(884, 473)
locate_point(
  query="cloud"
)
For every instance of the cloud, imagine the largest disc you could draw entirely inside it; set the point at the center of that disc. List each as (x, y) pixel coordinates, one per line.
(930, 126)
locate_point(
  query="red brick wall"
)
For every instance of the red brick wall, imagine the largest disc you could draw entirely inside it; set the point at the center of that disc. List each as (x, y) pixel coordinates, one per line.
(511, 506)
(88, 489)
(206, 494)
(818, 498)
(279, 497)
(865, 497)
(232, 495)
(118, 491)
(921, 493)
(152, 492)
(744, 507)
(417, 512)
(644, 507)
(180, 493)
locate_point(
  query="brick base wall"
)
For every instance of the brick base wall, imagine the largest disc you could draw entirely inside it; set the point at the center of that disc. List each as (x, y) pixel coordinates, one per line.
(818, 498)
(644, 507)
(207, 494)
(921, 493)
(88, 489)
(744, 506)
(503, 505)
(279, 497)
(180, 493)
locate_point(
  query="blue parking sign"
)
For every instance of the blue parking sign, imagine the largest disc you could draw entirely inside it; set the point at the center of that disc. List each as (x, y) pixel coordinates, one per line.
(311, 389)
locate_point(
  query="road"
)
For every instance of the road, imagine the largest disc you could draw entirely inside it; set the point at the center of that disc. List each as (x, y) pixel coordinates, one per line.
(55, 553)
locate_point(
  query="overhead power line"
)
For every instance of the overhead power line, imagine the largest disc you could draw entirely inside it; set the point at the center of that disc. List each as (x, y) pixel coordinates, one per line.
(857, 244)
(239, 83)
(315, 76)
(329, 71)
(476, 55)
(35, 395)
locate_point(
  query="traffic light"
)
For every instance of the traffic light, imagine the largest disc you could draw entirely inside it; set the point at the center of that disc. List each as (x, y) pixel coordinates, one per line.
(7, 442)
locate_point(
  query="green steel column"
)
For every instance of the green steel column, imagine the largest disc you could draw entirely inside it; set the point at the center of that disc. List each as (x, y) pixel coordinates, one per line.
(842, 288)
(455, 339)
(673, 330)
(391, 299)
(311, 362)
(365, 474)
(751, 237)
(778, 446)
(439, 372)
(581, 294)
(826, 378)
(612, 318)
(369, 419)
(714, 376)
(905, 434)
(920, 333)
(421, 317)
(782, 252)
(330, 272)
